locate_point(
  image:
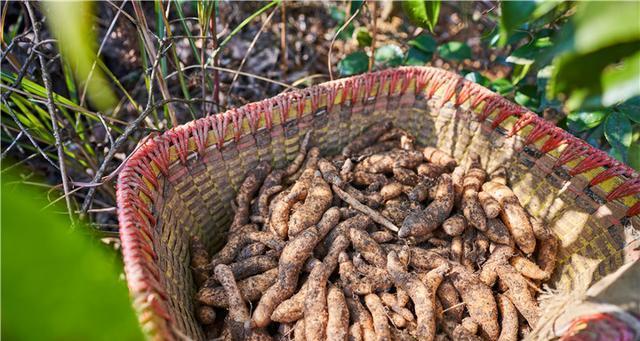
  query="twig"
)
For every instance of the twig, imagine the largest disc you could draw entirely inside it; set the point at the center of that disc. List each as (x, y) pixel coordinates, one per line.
(151, 50)
(333, 40)
(375, 216)
(52, 112)
(241, 73)
(14, 142)
(131, 127)
(216, 58)
(374, 14)
(283, 39)
(253, 43)
(203, 13)
(454, 306)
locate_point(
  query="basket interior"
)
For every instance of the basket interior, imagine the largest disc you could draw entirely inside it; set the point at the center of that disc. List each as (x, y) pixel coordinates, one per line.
(195, 195)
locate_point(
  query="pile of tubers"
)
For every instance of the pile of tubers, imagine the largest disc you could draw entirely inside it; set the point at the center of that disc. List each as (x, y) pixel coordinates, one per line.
(386, 241)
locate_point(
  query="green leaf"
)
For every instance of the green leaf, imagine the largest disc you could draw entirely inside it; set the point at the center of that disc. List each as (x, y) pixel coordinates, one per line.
(57, 284)
(424, 43)
(621, 81)
(354, 5)
(631, 108)
(478, 78)
(513, 14)
(337, 14)
(454, 50)
(600, 24)
(340, 17)
(584, 120)
(363, 37)
(595, 137)
(77, 43)
(526, 54)
(528, 96)
(584, 88)
(519, 72)
(354, 63)
(617, 130)
(388, 55)
(502, 86)
(633, 156)
(618, 154)
(417, 57)
(422, 13)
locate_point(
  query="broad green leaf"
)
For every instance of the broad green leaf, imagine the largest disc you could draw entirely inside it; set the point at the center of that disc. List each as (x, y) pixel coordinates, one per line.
(354, 5)
(519, 72)
(478, 78)
(388, 55)
(585, 88)
(454, 50)
(77, 43)
(595, 137)
(513, 14)
(617, 130)
(424, 43)
(354, 63)
(584, 120)
(526, 54)
(502, 86)
(618, 154)
(363, 37)
(422, 13)
(621, 81)
(545, 6)
(417, 57)
(57, 284)
(528, 96)
(633, 155)
(631, 108)
(600, 24)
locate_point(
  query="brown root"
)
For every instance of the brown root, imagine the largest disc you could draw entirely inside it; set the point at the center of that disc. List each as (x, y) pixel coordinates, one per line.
(509, 317)
(315, 303)
(454, 225)
(519, 293)
(439, 157)
(478, 299)
(423, 299)
(318, 200)
(380, 323)
(420, 223)
(250, 288)
(513, 215)
(338, 318)
(247, 191)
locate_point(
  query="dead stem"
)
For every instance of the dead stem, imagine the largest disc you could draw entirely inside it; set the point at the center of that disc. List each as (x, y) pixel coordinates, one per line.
(52, 112)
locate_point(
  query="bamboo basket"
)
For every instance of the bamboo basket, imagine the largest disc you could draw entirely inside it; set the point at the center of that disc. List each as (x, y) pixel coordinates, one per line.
(182, 182)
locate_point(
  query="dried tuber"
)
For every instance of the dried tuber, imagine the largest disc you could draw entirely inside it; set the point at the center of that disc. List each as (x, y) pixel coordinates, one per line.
(388, 241)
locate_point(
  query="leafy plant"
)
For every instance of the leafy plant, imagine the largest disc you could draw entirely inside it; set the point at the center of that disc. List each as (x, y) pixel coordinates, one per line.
(422, 13)
(57, 285)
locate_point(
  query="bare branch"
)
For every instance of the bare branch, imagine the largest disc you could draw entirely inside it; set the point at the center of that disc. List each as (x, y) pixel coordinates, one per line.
(52, 112)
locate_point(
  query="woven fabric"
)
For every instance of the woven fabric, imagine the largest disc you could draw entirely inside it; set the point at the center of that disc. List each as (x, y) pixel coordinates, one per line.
(182, 182)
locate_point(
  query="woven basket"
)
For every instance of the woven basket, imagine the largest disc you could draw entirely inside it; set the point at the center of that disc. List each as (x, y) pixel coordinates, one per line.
(182, 182)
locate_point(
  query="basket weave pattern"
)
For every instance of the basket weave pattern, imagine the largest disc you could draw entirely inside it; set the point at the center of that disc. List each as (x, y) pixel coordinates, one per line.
(182, 182)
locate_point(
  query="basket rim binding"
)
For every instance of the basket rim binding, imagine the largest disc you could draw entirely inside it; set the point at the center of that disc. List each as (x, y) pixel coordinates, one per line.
(153, 159)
